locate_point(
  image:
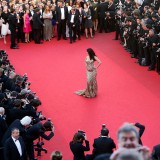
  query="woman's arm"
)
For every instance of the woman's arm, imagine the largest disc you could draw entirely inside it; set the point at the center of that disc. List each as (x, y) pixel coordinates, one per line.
(98, 60)
(24, 21)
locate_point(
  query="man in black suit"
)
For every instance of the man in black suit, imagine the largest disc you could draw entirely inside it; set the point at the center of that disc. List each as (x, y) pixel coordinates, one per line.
(13, 28)
(72, 24)
(37, 25)
(61, 18)
(103, 144)
(14, 148)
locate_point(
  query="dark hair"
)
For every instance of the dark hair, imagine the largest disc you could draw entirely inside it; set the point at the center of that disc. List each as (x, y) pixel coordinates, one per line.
(13, 129)
(35, 102)
(56, 155)
(104, 132)
(91, 54)
(12, 10)
(77, 137)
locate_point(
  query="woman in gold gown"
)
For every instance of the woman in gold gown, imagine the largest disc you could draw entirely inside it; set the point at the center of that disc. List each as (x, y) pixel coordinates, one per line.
(91, 89)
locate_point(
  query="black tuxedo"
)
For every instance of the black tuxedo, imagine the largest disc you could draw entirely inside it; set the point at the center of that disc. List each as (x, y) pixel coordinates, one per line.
(103, 145)
(73, 26)
(37, 25)
(61, 26)
(12, 26)
(11, 151)
(78, 150)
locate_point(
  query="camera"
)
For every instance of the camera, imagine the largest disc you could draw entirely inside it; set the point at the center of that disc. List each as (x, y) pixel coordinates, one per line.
(103, 126)
(39, 114)
(82, 132)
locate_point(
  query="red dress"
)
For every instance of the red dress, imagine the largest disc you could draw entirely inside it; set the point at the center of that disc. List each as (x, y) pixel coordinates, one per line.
(28, 28)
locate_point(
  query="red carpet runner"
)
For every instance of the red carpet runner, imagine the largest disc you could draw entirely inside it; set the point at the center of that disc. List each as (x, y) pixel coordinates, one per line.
(126, 91)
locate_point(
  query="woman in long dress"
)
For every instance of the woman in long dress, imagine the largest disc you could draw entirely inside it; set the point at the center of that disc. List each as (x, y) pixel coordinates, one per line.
(91, 89)
(47, 16)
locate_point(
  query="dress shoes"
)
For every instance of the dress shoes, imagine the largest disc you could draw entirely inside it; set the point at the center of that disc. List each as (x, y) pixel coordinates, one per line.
(114, 39)
(14, 47)
(151, 69)
(65, 38)
(39, 42)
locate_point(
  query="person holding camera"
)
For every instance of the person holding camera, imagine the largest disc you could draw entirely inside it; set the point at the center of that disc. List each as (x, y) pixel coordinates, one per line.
(103, 144)
(38, 131)
(77, 147)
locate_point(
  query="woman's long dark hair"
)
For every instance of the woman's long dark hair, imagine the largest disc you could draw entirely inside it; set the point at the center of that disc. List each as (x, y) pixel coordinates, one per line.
(91, 54)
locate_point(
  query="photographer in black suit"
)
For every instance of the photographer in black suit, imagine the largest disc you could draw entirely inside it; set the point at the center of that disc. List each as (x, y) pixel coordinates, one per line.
(36, 131)
(103, 144)
(77, 147)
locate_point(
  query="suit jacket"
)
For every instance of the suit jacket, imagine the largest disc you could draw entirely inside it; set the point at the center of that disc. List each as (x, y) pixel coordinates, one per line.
(76, 20)
(37, 23)
(78, 150)
(11, 151)
(12, 22)
(103, 145)
(58, 13)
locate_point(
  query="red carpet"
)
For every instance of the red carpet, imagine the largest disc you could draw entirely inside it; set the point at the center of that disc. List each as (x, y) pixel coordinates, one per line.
(126, 91)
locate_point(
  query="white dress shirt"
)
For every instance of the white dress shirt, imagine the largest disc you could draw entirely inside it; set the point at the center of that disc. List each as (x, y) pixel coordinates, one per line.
(62, 13)
(72, 18)
(18, 145)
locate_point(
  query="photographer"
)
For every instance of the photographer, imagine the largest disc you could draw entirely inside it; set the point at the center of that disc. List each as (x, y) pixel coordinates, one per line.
(36, 131)
(153, 39)
(103, 144)
(77, 147)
